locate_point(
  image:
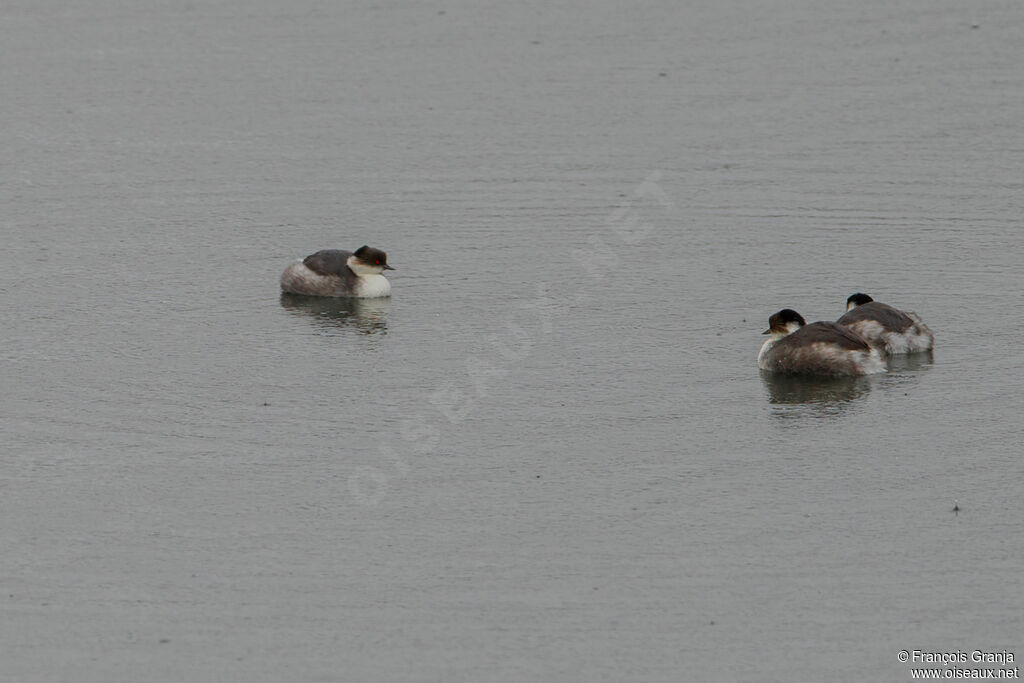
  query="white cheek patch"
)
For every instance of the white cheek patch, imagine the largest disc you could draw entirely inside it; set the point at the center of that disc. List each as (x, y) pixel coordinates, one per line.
(360, 269)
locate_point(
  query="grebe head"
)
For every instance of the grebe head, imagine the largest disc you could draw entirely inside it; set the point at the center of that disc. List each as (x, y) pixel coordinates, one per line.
(856, 300)
(784, 322)
(368, 261)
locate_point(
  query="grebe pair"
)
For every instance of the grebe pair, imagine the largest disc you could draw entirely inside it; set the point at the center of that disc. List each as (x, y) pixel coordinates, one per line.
(333, 272)
(856, 344)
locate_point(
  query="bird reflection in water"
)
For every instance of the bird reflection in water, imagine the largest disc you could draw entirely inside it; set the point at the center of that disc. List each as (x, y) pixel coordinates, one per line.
(365, 316)
(796, 395)
(909, 366)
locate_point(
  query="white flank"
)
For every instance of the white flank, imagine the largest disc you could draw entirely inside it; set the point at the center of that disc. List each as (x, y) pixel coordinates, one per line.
(872, 363)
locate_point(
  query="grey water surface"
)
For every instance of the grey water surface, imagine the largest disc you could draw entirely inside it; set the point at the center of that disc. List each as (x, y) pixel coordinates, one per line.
(550, 456)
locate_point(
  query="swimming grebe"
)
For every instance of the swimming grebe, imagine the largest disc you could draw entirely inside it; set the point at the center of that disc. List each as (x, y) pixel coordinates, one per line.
(333, 272)
(820, 348)
(892, 330)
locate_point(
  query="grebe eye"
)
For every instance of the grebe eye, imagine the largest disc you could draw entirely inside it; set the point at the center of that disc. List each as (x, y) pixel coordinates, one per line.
(378, 262)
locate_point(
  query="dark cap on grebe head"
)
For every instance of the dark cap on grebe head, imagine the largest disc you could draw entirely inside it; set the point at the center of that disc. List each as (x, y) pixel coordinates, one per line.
(780, 321)
(372, 257)
(858, 299)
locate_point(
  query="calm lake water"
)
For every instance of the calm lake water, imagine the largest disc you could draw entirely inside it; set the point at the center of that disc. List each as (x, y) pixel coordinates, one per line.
(551, 456)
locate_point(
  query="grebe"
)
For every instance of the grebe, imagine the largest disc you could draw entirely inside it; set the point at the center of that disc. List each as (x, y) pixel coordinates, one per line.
(892, 330)
(333, 272)
(821, 348)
